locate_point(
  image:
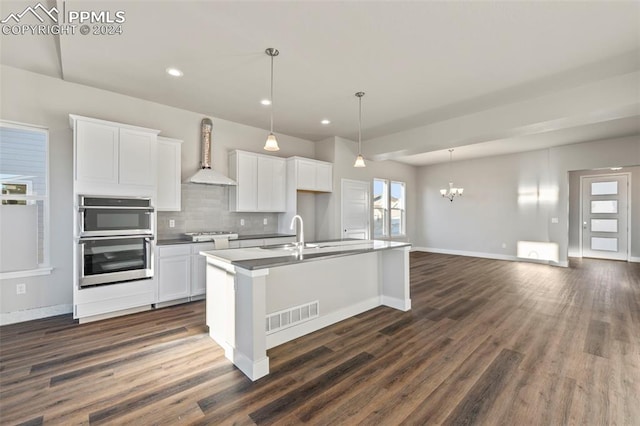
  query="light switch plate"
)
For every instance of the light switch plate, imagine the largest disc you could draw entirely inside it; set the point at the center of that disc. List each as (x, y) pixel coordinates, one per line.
(554, 220)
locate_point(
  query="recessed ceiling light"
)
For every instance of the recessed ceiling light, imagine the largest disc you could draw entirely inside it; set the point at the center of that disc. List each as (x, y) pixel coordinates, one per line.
(325, 122)
(175, 72)
(616, 168)
(265, 102)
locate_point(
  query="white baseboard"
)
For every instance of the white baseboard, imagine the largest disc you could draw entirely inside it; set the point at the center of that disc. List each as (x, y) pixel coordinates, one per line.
(253, 370)
(394, 302)
(300, 330)
(484, 255)
(100, 317)
(634, 259)
(33, 314)
(470, 253)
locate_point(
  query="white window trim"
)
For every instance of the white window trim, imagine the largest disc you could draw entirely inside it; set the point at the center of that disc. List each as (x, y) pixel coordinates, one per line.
(404, 210)
(44, 268)
(387, 226)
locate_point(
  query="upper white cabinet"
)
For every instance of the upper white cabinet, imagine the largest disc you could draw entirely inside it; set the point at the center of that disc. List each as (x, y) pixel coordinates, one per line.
(112, 155)
(169, 172)
(96, 152)
(261, 182)
(311, 175)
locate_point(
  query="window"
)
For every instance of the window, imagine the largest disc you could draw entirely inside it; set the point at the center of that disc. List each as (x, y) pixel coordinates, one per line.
(380, 208)
(24, 210)
(396, 202)
(389, 213)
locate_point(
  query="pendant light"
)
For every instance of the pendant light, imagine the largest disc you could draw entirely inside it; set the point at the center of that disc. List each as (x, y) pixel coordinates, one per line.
(359, 159)
(271, 144)
(452, 192)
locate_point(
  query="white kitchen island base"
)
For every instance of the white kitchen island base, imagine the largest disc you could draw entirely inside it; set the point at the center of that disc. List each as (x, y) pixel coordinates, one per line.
(258, 298)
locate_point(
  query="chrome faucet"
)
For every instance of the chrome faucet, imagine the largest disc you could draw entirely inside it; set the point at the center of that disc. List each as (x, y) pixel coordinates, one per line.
(300, 236)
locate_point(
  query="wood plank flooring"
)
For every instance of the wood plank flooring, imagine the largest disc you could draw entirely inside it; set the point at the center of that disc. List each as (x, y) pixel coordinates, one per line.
(487, 342)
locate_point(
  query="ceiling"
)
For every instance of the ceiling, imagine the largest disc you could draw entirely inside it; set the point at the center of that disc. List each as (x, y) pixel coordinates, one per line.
(418, 62)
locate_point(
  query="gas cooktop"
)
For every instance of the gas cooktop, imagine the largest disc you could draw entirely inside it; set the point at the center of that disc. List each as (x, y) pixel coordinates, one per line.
(211, 235)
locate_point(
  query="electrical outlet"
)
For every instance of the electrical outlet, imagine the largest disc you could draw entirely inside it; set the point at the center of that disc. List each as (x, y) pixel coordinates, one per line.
(504, 245)
(21, 288)
(554, 220)
(172, 223)
(264, 221)
(241, 222)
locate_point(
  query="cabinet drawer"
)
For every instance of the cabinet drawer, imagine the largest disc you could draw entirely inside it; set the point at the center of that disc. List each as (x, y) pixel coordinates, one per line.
(175, 250)
(251, 243)
(197, 248)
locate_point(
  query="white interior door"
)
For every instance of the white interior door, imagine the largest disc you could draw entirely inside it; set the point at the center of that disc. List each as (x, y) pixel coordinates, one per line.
(605, 211)
(355, 209)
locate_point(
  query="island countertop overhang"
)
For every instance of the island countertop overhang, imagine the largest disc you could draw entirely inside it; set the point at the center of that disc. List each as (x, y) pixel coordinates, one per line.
(269, 257)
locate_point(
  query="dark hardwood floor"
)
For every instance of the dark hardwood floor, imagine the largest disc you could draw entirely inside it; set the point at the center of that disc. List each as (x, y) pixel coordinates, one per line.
(487, 342)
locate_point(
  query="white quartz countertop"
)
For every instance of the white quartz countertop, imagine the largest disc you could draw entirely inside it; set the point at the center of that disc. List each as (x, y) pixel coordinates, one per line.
(282, 255)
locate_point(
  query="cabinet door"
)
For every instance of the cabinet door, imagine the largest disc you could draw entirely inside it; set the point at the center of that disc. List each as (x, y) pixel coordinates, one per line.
(247, 188)
(199, 268)
(138, 157)
(199, 279)
(174, 278)
(324, 177)
(306, 175)
(271, 184)
(96, 152)
(279, 186)
(168, 176)
(264, 183)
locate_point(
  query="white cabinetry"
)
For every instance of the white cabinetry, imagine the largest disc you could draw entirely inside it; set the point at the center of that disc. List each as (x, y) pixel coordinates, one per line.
(113, 158)
(174, 272)
(311, 175)
(199, 269)
(169, 174)
(261, 182)
(181, 272)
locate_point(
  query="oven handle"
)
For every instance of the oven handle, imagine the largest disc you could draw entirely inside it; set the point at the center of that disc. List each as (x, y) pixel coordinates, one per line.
(81, 240)
(83, 208)
(81, 260)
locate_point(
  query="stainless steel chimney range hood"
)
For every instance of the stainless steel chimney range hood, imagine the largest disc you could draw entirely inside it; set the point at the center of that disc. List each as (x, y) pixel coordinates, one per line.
(206, 175)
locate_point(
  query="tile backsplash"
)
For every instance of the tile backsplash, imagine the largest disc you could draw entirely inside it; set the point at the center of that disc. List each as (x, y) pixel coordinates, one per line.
(206, 208)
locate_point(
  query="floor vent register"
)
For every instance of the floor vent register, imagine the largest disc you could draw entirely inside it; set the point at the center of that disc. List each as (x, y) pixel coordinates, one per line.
(289, 317)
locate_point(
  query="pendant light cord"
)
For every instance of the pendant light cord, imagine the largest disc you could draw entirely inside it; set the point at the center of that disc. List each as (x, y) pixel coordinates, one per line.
(359, 125)
(271, 93)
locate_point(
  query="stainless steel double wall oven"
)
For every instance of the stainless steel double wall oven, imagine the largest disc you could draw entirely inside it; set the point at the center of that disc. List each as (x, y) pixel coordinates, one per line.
(116, 239)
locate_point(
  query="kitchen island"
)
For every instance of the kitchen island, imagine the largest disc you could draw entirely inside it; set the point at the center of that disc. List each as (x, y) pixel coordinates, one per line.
(259, 298)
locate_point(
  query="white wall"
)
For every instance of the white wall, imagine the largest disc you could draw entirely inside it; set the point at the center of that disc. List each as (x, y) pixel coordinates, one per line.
(510, 198)
(45, 101)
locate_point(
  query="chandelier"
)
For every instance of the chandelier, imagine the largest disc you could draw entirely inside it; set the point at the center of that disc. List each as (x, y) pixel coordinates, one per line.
(452, 192)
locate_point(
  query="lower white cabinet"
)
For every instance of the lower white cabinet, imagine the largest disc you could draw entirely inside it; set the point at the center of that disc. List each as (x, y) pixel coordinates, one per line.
(174, 272)
(182, 272)
(199, 269)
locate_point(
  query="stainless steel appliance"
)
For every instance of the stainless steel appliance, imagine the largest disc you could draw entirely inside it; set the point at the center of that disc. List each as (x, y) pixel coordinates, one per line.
(112, 259)
(211, 236)
(103, 216)
(116, 241)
